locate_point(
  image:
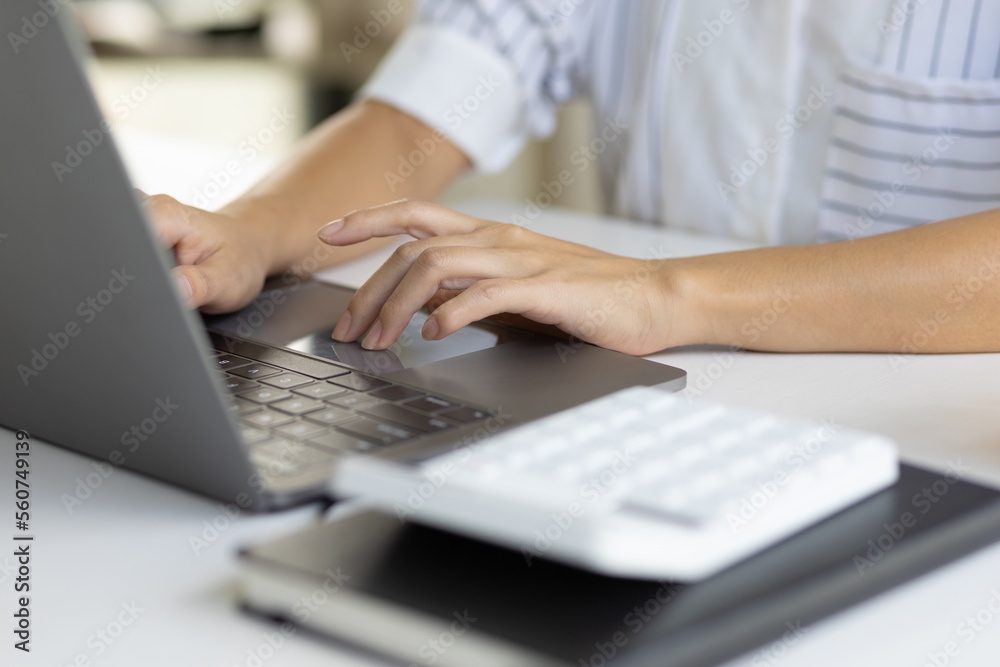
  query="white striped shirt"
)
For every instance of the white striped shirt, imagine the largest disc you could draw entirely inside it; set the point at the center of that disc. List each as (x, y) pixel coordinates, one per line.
(778, 121)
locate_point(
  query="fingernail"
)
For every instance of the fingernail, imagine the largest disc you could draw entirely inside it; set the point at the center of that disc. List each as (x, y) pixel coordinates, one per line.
(340, 331)
(371, 340)
(430, 329)
(328, 231)
(184, 287)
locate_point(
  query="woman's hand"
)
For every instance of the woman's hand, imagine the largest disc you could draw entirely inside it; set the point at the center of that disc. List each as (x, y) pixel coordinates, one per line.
(221, 262)
(476, 268)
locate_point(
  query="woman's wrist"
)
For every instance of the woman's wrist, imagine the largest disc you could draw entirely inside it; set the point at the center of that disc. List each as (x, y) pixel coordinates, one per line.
(267, 222)
(685, 301)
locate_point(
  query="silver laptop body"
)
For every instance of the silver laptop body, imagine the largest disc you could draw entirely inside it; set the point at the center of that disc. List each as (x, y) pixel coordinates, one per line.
(98, 354)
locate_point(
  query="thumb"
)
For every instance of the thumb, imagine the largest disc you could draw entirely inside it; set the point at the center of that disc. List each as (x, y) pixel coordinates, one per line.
(215, 285)
(185, 285)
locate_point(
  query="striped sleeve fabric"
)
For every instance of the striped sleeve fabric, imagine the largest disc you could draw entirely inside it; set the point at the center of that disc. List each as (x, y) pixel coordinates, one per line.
(917, 139)
(537, 38)
(487, 74)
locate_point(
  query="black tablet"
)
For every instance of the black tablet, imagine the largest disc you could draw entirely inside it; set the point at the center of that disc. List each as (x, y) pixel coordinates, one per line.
(423, 596)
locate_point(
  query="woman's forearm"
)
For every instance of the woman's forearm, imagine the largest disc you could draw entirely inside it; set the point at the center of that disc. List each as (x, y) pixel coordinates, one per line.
(353, 160)
(934, 288)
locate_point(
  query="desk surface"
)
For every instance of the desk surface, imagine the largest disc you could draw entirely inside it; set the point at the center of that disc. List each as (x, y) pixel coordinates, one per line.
(145, 554)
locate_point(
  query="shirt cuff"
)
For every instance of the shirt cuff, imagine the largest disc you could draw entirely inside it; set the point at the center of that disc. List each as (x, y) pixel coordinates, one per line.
(468, 92)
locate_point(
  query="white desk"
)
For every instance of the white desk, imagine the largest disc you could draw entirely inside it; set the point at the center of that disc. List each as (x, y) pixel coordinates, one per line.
(130, 540)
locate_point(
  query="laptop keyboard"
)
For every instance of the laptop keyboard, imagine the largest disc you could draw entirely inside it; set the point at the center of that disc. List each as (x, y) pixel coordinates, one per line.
(295, 418)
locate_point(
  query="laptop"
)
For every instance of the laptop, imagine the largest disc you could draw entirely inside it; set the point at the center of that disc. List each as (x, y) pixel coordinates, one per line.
(99, 355)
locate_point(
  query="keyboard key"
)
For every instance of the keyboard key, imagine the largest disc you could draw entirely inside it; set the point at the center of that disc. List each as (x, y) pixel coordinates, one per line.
(235, 384)
(301, 430)
(429, 404)
(295, 452)
(314, 368)
(670, 505)
(242, 406)
(320, 390)
(267, 419)
(252, 436)
(287, 380)
(378, 432)
(298, 405)
(397, 393)
(282, 457)
(264, 395)
(227, 361)
(359, 382)
(352, 401)
(465, 414)
(255, 371)
(341, 443)
(407, 418)
(329, 416)
(271, 465)
(286, 359)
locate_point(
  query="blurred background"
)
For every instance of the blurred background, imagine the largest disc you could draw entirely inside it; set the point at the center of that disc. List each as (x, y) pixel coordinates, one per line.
(208, 95)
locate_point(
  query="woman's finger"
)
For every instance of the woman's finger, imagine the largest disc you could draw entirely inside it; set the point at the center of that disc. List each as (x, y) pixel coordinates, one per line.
(387, 305)
(169, 218)
(368, 300)
(528, 297)
(442, 296)
(419, 219)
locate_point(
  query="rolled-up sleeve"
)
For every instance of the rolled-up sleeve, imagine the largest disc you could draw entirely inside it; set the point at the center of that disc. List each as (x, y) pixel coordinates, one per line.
(488, 74)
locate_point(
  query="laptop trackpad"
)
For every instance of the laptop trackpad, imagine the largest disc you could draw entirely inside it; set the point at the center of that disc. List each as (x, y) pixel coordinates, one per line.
(525, 374)
(301, 317)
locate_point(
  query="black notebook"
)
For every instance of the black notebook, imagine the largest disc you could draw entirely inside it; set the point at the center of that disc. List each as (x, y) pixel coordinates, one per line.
(424, 596)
